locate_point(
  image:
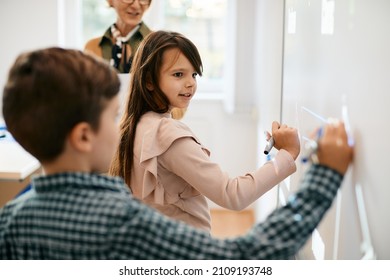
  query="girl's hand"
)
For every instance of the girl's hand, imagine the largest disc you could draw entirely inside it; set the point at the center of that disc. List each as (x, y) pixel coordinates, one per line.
(286, 138)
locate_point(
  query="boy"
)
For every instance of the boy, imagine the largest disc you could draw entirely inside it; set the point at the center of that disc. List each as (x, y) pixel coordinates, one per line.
(61, 106)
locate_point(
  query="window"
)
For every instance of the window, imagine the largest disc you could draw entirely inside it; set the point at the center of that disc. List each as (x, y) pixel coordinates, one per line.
(202, 21)
(97, 16)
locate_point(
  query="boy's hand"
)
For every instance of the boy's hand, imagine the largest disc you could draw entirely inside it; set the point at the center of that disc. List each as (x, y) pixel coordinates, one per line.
(286, 138)
(333, 149)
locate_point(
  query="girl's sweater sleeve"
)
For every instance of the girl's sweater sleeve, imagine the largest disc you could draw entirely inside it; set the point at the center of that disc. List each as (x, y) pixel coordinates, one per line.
(188, 159)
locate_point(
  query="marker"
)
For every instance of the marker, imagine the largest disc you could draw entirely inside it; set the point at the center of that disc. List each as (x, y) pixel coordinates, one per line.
(310, 149)
(2, 132)
(309, 152)
(270, 144)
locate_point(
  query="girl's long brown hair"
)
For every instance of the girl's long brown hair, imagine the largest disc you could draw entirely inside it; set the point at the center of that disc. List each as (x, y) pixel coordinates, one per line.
(145, 70)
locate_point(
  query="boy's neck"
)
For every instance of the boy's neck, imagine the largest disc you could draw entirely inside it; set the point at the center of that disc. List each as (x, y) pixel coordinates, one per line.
(66, 163)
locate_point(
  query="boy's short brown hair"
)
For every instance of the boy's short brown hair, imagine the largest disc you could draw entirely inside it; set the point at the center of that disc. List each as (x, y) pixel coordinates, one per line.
(49, 91)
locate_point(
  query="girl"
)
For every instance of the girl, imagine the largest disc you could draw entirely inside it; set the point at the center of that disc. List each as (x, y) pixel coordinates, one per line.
(162, 160)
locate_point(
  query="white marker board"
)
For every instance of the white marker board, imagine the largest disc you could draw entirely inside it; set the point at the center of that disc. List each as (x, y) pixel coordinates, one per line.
(337, 55)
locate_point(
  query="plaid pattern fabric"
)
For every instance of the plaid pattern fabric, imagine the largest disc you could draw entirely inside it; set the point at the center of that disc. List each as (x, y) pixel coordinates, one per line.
(89, 216)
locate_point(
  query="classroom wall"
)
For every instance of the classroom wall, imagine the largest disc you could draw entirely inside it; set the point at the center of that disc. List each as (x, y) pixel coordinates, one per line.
(268, 68)
(23, 28)
(337, 64)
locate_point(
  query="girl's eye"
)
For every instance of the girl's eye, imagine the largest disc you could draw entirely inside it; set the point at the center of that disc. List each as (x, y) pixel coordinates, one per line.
(194, 75)
(178, 74)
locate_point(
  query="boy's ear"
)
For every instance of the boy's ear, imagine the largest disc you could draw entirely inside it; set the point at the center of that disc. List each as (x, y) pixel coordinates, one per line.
(81, 137)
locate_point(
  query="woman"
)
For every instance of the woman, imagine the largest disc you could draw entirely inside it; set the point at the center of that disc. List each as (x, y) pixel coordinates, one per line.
(121, 40)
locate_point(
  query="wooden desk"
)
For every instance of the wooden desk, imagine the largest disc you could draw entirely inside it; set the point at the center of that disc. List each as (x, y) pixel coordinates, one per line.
(16, 168)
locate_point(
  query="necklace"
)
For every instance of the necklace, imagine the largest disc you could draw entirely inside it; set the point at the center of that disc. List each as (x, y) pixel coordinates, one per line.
(119, 49)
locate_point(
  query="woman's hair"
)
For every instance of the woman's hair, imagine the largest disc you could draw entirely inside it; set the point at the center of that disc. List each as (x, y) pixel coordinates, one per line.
(145, 71)
(49, 91)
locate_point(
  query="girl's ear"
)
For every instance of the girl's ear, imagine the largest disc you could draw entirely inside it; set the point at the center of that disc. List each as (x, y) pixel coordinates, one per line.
(81, 137)
(149, 86)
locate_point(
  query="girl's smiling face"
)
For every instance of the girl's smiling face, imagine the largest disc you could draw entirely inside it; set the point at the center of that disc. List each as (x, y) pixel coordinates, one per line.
(177, 78)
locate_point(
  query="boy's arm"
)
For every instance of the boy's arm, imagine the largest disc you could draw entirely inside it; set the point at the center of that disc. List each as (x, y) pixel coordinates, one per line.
(287, 228)
(150, 235)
